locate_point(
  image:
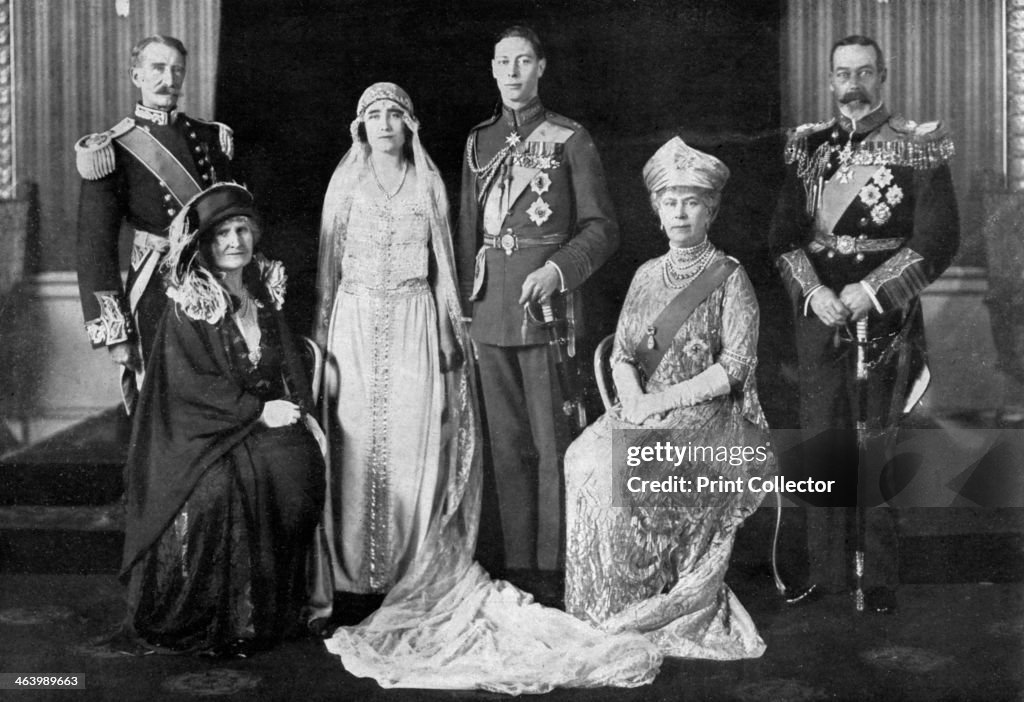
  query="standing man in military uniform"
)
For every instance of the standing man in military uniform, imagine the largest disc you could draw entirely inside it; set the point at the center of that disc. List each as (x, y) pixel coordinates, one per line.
(140, 172)
(866, 220)
(536, 221)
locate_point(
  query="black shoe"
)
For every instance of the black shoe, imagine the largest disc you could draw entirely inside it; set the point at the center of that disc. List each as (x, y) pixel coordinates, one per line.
(880, 600)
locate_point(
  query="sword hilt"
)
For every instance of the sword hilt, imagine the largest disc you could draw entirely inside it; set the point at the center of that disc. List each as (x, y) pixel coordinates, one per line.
(862, 349)
(546, 312)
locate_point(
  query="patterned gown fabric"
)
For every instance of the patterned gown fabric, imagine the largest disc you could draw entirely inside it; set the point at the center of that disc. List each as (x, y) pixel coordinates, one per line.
(220, 509)
(656, 562)
(444, 623)
(386, 422)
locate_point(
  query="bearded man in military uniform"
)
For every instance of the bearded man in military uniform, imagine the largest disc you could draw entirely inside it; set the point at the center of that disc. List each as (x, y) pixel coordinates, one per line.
(866, 220)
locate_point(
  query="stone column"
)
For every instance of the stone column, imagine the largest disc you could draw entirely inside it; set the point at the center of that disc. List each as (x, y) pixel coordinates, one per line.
(6, 101)
(1015, 94)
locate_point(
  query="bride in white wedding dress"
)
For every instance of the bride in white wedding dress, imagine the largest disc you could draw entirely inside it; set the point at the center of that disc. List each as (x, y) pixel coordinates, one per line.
(444, 624)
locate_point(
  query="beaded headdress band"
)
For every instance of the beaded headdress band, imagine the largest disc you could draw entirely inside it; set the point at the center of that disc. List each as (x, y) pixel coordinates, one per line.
(383, 91)
(677, 164)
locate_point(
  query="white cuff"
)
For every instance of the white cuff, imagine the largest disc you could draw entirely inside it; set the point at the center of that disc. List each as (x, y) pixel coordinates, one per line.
(871, 294)
(809, 295)
(561, 278)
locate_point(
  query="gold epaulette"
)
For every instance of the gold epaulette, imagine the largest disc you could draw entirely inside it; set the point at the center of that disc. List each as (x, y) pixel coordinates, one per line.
(929, 143)
(94, 153)
(796, 138)
(225, 133)
(923, 131)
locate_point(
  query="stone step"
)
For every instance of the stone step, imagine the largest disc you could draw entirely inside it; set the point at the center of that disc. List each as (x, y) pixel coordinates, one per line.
(60, 484)
(81, 465)
(61, 539)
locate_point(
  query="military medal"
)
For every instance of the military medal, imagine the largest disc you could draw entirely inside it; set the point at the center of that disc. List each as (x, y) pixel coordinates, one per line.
(651, 343)
(846, 163)
(881, 195)
(539, 211)
(541, 183)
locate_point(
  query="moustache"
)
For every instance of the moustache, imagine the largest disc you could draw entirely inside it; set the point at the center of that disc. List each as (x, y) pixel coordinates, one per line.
(854, 95)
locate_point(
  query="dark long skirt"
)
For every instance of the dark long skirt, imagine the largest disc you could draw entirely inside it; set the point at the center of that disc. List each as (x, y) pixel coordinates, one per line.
(228, 573)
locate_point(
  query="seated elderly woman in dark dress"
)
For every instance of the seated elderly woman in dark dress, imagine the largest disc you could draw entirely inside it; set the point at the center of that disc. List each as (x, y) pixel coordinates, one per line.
(683, 364)
(225, 479)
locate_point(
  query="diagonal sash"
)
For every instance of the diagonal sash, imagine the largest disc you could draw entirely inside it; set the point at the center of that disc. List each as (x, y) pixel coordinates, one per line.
(521, 175)
(837, 196)
(678, 311)
(183, 186)
(502, 195)
(161, 163)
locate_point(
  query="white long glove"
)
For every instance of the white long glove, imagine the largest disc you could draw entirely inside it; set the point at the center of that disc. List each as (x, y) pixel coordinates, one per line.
(627, 380)
(711, 382)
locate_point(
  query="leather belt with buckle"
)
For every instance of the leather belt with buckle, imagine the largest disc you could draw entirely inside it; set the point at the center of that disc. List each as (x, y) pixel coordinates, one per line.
(509, 241)
(846, 245)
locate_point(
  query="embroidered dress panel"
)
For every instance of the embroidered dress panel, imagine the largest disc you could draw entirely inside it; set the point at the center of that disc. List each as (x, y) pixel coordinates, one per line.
(387, 417)
(386, 249)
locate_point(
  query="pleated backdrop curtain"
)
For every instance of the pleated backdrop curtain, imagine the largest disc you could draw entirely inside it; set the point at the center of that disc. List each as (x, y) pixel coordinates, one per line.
(71, 75)
(945, 59)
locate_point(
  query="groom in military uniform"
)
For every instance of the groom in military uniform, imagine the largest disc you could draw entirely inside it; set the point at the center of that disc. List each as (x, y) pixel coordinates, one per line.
(536, 221)
(140, 172)
(866, 220)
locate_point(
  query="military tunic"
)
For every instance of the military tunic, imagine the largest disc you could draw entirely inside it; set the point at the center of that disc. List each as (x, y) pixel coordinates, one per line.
(867, 204)
(533, 194)
(122, 182)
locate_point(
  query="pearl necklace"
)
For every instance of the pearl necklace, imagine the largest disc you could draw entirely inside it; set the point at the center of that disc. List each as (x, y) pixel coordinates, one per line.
(389, 196)
(683, 264)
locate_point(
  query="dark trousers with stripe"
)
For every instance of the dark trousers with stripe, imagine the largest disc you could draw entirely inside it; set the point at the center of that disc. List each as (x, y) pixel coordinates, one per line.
(828, 408)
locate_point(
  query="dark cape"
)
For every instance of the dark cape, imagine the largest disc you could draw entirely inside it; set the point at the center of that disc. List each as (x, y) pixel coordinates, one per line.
(212, 493)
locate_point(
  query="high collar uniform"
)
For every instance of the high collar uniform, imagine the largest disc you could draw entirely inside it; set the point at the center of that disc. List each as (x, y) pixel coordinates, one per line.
(533, 195)
(553, 190)
(139, 172)
(867, 203)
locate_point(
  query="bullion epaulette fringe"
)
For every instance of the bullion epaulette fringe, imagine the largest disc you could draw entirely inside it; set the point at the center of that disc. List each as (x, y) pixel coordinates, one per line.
(94, 153)
(796, 139)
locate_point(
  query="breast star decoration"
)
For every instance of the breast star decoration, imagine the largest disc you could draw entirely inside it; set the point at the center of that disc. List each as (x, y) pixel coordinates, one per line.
(881, 195)
(541, 183)
(539, 211)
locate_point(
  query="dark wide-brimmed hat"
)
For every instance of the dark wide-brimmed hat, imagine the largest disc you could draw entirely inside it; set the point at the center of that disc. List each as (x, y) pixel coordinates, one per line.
(202, 213)
(218, 203)
(190, 283)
